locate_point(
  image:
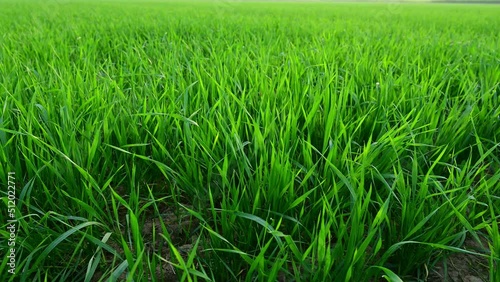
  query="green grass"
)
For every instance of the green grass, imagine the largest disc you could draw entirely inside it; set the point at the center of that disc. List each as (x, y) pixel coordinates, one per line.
(310, 142)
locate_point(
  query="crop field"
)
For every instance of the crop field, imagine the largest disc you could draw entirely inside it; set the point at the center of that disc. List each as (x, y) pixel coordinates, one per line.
(249, 141)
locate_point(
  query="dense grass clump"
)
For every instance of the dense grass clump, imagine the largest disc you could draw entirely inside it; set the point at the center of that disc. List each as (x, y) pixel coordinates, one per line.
(225, 141)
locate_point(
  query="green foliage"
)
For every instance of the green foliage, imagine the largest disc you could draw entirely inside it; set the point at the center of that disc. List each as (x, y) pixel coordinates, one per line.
(309, 142)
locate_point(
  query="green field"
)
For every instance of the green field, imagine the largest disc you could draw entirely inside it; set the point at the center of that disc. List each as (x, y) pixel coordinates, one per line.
(244, 141)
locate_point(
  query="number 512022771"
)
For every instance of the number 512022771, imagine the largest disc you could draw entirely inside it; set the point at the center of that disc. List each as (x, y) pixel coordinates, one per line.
(11, 194)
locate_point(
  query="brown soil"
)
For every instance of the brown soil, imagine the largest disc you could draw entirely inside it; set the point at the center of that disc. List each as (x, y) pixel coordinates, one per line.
(461, 267)
(182, 229)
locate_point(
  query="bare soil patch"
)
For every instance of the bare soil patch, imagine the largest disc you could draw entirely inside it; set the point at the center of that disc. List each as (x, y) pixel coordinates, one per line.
(462, 267)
